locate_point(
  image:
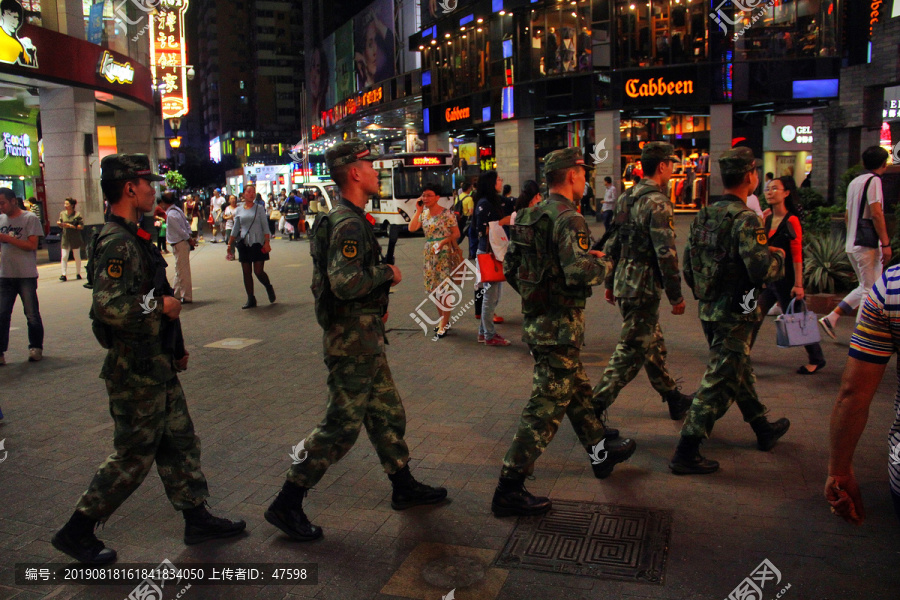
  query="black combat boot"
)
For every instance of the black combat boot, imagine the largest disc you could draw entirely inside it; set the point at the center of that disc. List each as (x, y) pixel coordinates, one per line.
(201, 526)
(408, 492)
(77, 539)
(687, 459)
(600, 406)
(511, 499)
(286, 513)
(768, 433)
(251, 302)
(604, 458)
(678, 403)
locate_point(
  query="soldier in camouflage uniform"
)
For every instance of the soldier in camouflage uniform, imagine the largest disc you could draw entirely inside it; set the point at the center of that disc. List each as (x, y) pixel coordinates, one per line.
(350, 285)
(145, 397)
(726, 258)
(642, 245)
(550, 264)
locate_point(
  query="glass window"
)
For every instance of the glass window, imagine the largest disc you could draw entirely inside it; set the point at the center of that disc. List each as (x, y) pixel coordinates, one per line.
(408, 182)
(660, 32)
(792, 29)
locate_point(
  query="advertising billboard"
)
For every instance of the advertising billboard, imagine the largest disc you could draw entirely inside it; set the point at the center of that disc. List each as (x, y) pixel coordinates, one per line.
(345, 82)
(373, 39)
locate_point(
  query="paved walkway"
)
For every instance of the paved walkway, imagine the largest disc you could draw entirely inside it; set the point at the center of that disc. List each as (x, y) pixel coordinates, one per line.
(251, 405)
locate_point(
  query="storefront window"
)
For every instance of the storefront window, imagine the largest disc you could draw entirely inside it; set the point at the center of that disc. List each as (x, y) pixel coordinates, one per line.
(557, 40)
(459, 65)
(661, 32)
(792, 29)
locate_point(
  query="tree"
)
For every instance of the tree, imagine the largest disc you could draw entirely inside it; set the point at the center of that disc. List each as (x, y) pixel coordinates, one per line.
(174, 181)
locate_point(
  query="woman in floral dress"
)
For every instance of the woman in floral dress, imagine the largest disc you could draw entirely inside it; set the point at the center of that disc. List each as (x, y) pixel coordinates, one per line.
(441, 253)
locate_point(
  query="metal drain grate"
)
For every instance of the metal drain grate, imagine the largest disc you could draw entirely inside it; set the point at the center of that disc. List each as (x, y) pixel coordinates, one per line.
(606, 541)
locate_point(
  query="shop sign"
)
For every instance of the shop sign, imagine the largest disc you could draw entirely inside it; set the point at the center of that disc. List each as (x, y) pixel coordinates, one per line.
(874, 14)
(115, 72)
(17, 145)
(891, 109)
(168, 56)
(801, 134)
(634, 88)
(457, 114)
(351, 105)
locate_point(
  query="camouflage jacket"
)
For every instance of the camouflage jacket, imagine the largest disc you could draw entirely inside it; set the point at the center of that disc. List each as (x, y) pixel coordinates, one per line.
(562, 325)
(360, 284)
(122, 301)
(750, 264)
(642, 246)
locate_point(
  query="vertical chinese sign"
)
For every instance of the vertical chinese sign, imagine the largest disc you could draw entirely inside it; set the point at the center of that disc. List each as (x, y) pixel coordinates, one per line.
(168, 56)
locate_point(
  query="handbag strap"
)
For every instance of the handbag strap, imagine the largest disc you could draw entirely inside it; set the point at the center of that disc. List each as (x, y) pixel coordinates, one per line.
(862, 200)
(791, 310)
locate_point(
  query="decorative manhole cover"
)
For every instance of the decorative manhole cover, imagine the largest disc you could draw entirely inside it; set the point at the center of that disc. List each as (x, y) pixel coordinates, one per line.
(605, 541)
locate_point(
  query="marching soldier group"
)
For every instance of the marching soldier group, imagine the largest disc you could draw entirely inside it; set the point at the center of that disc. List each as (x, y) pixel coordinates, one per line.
(550, 263)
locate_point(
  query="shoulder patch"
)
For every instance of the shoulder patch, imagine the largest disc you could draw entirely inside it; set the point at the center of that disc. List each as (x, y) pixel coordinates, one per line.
(761, 236)
(350, 248)
(672, 223)
(583, 241)
(114, 267)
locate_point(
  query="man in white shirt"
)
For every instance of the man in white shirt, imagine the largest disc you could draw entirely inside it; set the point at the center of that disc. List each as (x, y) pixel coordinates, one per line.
(178, 235)
(609, 203)
(19, 233)
(217, 204)
(867, 262)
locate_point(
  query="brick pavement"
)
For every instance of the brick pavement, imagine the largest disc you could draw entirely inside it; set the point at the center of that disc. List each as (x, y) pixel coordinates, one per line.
(463, 400)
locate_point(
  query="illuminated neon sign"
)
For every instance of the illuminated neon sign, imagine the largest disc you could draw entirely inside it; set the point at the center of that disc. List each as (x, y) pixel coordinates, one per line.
(457, 114)
(658, 87)
(115, 72)
(351, 105)
(423, 161)
(168, 56)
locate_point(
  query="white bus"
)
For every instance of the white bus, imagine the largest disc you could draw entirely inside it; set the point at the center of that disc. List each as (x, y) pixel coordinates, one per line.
(401, 178)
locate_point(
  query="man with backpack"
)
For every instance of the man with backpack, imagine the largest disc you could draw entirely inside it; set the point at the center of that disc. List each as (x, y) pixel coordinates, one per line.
(550, 264)
(292, 211)
(351, 285)
(726, 261)
(642, 246)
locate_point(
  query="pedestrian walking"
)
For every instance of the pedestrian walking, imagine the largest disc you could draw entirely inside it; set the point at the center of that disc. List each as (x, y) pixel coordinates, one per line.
(441, 253)
(146, 400)
(868, 244)
(351, 287)
(608, 206)
(192, 212)
(489, 208)
(550, 264)
(159, 216)
(19, 233)
(178, 235)
(784, 231)
(72, 224)
(228, 216)
(726, 258)
(252, 235)
(293, 213)
(642, 248)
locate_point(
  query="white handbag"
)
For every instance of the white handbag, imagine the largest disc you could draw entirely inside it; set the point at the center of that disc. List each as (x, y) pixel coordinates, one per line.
(796, 327)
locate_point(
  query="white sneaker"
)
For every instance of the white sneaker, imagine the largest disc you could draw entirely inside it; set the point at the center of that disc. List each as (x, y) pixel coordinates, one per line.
(35, 354)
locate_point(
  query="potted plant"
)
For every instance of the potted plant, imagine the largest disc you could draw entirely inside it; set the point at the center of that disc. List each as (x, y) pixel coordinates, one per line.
(826, 272)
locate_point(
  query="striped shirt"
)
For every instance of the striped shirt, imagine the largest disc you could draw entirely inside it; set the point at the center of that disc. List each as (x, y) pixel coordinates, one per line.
(876, 338)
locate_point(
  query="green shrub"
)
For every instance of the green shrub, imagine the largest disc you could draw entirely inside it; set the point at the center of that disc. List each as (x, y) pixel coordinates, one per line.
(810, 199)
(826, 266)
(175, 181)
(818, 221)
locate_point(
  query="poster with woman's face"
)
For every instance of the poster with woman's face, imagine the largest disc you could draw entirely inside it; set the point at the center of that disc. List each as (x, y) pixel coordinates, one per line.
(320, 77)
(373, 40)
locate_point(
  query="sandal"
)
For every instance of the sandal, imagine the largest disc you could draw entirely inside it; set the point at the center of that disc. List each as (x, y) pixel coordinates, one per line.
(804, 371)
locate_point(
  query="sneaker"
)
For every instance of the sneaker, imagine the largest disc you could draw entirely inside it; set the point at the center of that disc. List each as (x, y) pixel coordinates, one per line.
(62, 278)
(480, 339)
(35, 354)
(827, 327)
(497, 340)
(499, 320)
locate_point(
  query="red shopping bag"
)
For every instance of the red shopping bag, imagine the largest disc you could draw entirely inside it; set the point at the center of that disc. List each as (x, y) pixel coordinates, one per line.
(491, 268)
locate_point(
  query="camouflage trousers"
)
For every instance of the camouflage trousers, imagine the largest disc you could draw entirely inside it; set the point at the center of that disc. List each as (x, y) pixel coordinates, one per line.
(641, 344)
(361, 392)
(151, 424)
(559, 387)
(729, 378)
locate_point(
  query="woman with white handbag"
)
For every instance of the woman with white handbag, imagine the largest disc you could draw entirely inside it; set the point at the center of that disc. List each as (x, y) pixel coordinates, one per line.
(784, 231)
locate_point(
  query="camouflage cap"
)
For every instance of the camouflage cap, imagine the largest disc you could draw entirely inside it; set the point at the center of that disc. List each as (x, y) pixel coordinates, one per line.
(658, 151)
(738, 160)
(347, 153)
(127, 166)
(565, 159)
